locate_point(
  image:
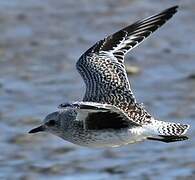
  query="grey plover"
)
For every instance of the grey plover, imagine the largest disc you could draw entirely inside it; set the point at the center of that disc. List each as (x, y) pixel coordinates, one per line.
(109, 114)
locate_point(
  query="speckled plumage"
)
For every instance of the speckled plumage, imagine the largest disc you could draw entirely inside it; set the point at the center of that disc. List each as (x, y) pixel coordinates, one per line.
(109, 115)
(102, 66)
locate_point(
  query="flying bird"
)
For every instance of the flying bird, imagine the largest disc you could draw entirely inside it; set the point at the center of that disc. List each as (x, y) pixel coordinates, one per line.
(109, 115)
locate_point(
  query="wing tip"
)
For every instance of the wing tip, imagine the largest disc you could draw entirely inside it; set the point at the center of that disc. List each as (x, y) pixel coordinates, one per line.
(172, 10)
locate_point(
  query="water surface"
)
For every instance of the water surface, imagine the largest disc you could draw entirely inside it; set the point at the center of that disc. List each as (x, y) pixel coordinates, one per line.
(40, 42)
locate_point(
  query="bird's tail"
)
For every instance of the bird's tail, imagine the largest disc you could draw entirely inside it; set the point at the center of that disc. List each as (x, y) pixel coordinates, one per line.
(167, 132)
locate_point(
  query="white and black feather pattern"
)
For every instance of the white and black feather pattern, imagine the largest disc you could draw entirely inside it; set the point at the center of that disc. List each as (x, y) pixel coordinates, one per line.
(126, 39)
(166, 128)
(102, 66)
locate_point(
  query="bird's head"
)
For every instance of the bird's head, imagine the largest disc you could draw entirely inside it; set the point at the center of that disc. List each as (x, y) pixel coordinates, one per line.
(51, 123)
(57, 123)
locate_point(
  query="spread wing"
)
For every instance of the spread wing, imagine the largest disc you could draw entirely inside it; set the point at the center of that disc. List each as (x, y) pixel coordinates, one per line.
(102, 66)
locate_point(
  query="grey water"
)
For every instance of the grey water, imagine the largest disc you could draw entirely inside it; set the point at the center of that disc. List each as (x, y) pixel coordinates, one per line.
(40, 42)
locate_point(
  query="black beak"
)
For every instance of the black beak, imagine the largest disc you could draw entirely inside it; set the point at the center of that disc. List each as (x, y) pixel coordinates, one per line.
(38, 129)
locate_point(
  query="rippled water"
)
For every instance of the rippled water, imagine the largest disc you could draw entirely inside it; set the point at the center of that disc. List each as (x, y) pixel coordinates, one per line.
(40, 42)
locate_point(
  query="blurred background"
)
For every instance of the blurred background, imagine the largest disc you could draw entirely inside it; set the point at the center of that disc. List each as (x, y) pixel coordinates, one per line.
(40, 42)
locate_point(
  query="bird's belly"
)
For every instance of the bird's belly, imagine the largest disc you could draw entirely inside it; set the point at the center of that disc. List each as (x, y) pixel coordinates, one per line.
(111, 138)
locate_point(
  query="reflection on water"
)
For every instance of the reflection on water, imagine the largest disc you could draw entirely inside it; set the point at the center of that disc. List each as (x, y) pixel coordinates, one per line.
(40, 42)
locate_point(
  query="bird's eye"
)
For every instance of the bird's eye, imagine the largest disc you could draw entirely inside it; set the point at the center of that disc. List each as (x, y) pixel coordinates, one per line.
(51, 123)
